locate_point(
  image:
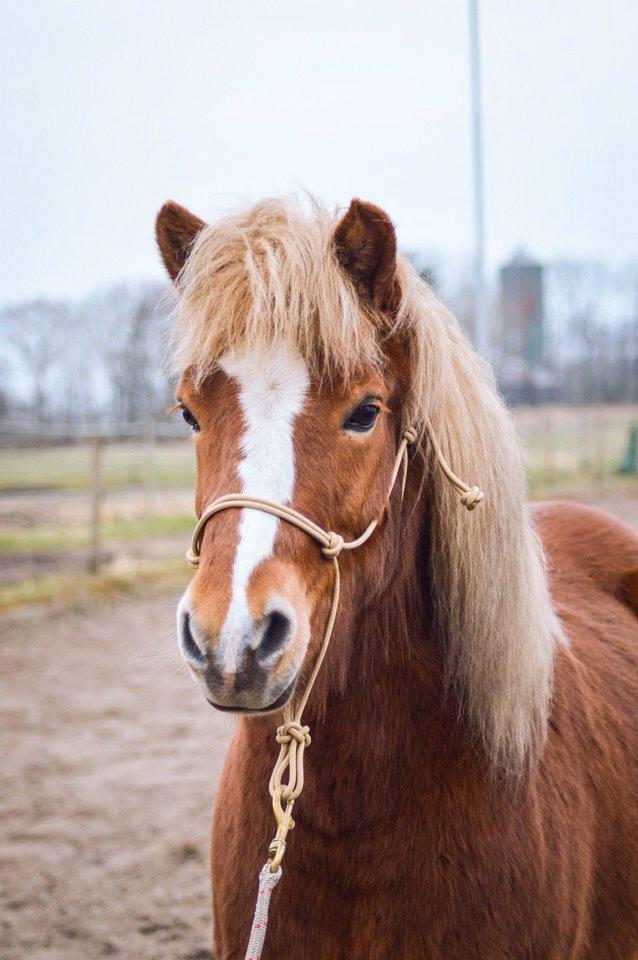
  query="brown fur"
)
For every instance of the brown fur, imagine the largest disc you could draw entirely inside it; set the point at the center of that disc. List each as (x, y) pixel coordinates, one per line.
(412, 839)
(176, 229)
(630, 585)
(366, 247)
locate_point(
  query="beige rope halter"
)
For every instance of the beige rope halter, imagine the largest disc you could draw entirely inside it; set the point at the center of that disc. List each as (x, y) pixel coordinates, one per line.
(292, 736)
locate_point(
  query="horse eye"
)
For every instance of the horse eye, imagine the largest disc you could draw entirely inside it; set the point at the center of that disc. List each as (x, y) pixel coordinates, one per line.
(190, 419)
(362, 418)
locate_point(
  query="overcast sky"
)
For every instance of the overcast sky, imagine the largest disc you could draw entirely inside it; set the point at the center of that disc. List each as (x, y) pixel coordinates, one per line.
(109, 107)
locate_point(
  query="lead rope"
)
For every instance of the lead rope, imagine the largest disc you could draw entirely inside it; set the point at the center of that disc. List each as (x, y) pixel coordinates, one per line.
(292, 736)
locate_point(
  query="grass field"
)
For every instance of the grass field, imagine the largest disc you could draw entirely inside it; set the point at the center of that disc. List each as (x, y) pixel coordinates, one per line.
(575, 449)
(123, 464)
(146, 510)
(34, 539)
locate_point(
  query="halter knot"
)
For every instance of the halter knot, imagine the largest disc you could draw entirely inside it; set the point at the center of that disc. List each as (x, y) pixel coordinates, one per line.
(334, 546)
(409, 435)
(293, 738)
(293, 730)
(472, 497)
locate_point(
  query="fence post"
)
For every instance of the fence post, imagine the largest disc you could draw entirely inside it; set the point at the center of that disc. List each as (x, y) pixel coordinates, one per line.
(95, 463)
(148, 465)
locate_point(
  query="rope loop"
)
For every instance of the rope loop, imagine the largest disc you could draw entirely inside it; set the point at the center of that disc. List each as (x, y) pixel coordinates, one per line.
(472, 497)
(192, 557)
(410, 435)
(293, 730)
(293, 738)
(334, 546)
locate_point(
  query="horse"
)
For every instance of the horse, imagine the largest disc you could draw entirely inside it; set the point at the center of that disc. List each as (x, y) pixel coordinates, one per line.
(471, 787)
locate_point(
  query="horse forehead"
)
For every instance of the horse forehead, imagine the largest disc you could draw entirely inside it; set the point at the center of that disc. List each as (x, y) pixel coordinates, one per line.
(271, 389)
(275, 378)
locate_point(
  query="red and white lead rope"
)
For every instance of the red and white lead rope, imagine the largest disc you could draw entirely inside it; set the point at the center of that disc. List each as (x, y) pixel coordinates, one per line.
(267, 883)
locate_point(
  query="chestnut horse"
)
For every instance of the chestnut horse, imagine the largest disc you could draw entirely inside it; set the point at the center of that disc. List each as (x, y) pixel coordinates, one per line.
(471, 787)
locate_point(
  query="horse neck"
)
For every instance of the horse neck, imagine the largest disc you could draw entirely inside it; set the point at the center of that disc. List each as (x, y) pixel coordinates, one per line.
(391, 725)
(384, 681)
(394, 666)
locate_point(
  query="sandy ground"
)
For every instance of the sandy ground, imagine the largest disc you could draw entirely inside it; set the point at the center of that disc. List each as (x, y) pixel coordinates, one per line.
(110, 757)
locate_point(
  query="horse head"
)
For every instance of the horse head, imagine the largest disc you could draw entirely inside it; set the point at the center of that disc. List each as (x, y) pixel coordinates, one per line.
(306, 345)
(274, 421)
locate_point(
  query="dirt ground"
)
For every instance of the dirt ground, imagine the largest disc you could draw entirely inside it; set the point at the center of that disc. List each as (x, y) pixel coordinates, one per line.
(110, 757)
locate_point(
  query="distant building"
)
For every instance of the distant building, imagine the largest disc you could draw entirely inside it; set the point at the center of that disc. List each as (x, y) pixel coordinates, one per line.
(522, 299)
(523, 372)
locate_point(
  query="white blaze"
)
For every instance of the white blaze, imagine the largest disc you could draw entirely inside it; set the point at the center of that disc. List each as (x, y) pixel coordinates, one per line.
(271, 389)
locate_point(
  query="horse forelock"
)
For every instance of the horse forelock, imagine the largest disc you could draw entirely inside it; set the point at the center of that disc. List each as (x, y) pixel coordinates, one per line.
(266, 275)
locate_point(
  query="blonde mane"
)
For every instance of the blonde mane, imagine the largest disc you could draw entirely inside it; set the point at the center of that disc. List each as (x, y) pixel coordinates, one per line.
(270, 273)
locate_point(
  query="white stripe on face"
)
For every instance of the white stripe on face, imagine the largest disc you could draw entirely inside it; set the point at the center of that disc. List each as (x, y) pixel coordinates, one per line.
(271, 389)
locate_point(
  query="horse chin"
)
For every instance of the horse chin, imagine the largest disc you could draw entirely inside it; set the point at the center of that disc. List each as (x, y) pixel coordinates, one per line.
(276, 704)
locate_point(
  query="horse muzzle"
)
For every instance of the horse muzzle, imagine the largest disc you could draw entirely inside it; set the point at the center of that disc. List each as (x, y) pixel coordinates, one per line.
(249, 667)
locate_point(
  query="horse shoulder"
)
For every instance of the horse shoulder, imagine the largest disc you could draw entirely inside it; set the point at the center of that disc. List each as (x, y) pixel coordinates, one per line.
(592, 566)
(584, 544)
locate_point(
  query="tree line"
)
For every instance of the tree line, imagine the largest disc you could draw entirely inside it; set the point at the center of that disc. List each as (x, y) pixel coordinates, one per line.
(102, 359)
(96, 360)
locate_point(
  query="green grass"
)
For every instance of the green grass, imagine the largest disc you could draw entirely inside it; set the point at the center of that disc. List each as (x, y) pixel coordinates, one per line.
(573, 450)
(123, 464)
(38, 539)
(573, 486)
(158, 575)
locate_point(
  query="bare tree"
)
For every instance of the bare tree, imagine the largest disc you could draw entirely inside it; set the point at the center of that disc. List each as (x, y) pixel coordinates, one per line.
(37, 334)
(577, 292)
(129, 322)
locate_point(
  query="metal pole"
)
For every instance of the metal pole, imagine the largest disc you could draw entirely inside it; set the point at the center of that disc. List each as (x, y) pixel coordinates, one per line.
(481, 334)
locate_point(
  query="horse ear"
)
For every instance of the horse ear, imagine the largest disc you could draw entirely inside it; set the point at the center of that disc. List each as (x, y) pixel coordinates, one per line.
(366, 248)
(175, 230)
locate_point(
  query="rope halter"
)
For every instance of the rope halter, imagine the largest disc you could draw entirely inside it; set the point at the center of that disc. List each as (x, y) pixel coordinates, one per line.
(292, 736)
(470, 496)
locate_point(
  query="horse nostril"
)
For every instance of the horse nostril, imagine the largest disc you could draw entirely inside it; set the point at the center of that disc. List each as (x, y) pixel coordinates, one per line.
(277, 628)
(190, 650)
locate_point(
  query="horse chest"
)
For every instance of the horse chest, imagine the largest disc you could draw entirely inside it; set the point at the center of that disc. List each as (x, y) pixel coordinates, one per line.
(419, 882)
